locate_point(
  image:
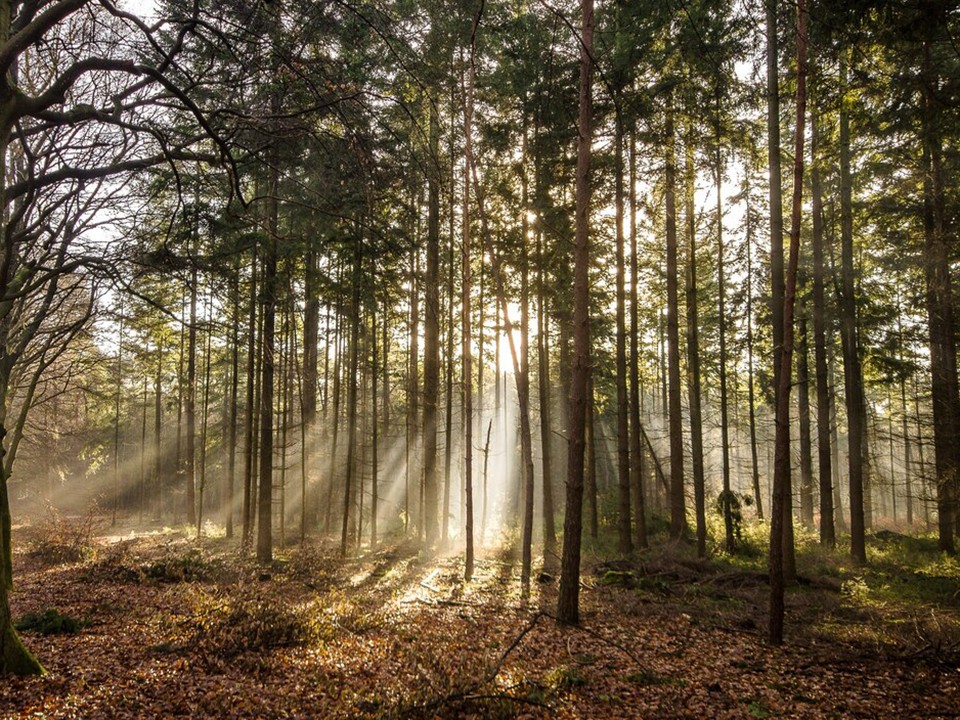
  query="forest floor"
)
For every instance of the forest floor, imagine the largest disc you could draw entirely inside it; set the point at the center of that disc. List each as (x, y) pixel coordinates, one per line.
(160, 626)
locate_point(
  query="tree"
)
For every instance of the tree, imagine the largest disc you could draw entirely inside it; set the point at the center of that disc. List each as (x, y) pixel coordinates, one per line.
(780, 516)
(568, 609)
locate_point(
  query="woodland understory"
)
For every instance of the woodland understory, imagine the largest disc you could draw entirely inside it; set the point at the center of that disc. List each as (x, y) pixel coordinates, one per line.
(461, 358)
(159, 625)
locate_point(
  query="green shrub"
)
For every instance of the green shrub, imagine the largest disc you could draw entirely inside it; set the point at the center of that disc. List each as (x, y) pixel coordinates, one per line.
(190, 566)
(50, 622)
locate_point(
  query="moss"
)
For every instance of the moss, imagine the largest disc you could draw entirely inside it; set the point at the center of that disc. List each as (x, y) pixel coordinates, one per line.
(15, 659)
(50, 622)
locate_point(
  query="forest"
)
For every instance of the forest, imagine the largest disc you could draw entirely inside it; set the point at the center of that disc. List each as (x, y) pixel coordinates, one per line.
(463, 358)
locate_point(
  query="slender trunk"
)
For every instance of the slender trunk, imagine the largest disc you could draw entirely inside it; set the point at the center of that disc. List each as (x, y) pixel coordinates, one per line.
(777, 282)
(352, 387)
(157, 431)
(523, 383)
(678, 519)
(803, 410)
(940, 312)
(827, 529)
(249, 430)
(466, 339)
(448, 378)
(375, 427)
(308, 402)
(143, 457)
(852, 374)
(543, 388)
(116, 423)
(636, 447)
(190, 403)
(413, 389)
(204, 422)
(780, 516)
(337, 401)
(590, 469)
(727, 496)
(751, 391)
(905, 430)
(268, 301)
(431, 336)
(231, 439)
(568, 608)
(693, 354)
(623, 428)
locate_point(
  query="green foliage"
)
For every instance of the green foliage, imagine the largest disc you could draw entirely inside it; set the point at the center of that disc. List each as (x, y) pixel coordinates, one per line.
(190, 566)
(564, 677)
(616, 577)
(650, 678)
(49, 622)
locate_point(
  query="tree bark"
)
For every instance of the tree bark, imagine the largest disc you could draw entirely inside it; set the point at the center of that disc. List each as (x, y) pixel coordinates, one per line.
(726, 503)
(466, 339)
(268, 301)
(780, 515)
(636, 447)
(940, 313)
(352, 387)
(431, 335)
(568, 607)
(852, 374)
(803, 410)
(623, 428)
(825, 469)
(693, 353)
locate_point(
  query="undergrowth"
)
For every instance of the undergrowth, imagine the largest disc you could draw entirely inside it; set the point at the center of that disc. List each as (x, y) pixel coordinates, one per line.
(58, 538)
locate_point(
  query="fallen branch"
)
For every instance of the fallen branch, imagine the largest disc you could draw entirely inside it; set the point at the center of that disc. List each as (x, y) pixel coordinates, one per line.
(470, 693)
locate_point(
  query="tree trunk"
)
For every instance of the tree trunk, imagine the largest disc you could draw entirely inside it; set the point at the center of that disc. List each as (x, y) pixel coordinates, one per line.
(448, 379)
(431, 336)
(590, 470)
(466, 339)
(803, 410)
(940, 312)
(413, 390)
(249, 472)
(543, 388)
(726, 503)
(693, 354)
(780, 515)
(678, 519)
(751, 389)
(231, 419)
(268, 301)
(352, 388)
(568, 607)
(636, 447)
(157, 431)
(375, 426)
(852, 374)
(623, 428)
(308, 402)
(825, 470)
(190, 403)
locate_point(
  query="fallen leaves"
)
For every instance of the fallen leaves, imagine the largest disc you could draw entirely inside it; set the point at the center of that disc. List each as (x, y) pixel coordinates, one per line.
(397, 634)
